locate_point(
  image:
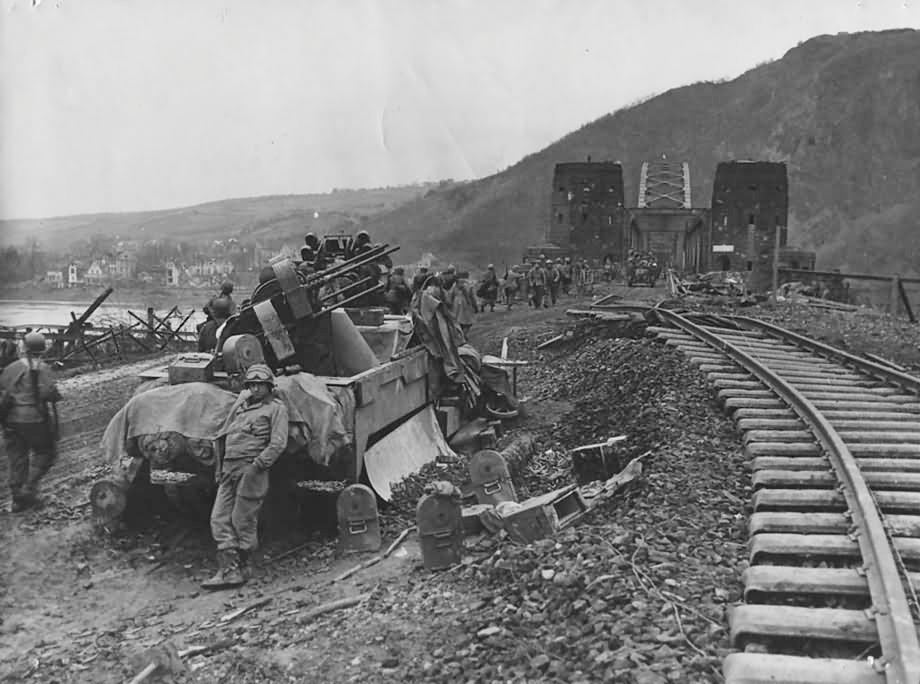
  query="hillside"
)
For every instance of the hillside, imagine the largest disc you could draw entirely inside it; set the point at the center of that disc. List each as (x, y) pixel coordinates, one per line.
(268, 220)
(842, 111)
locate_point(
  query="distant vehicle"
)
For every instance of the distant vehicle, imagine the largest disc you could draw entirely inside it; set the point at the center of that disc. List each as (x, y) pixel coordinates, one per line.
(643, 269)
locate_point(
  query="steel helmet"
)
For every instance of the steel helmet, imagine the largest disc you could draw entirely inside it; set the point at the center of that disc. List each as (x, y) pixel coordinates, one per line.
(491, 266)
(363, 237)
(220, 307)
(35, 342)
(311, 240)
(259, 372)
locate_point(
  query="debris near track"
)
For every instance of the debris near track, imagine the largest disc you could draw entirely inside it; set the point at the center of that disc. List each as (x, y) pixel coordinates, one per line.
(622, 593)
(715, 287)
(857, 330)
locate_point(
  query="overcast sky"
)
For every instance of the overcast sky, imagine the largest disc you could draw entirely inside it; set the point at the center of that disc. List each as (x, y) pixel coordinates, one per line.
(117, 105)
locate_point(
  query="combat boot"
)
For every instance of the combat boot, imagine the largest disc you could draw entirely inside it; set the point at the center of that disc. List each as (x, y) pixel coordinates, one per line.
(228, 571)
(245, 569)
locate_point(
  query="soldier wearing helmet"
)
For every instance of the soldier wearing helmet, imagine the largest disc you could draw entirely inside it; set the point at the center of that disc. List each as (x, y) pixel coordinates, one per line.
(488, 288)
(554, 279)
(28, 414)
(248, 444)
(538, 279)
(567, 271)
(360, 243)
(311, 241)
(207, 334)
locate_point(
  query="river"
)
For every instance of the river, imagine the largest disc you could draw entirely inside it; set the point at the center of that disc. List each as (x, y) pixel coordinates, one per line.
(38, 314)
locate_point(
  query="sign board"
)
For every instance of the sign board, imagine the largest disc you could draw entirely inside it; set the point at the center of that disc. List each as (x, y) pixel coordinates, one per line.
(724, 249)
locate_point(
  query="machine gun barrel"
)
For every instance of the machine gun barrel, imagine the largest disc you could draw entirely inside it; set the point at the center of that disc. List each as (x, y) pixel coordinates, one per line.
(351, 264)
(350, 286)
(345, 302)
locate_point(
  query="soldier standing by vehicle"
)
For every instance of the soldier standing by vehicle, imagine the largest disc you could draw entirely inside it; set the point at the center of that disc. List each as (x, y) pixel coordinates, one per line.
(29, 424)
(398, 295)
(207, 334)
(538, 279)
(249, 442)
(361, 243)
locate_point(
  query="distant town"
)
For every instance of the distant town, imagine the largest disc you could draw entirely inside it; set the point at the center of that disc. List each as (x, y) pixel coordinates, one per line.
(154, 263)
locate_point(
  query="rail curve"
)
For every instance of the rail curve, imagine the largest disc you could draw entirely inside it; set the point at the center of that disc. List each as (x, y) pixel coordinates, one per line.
(834, 442)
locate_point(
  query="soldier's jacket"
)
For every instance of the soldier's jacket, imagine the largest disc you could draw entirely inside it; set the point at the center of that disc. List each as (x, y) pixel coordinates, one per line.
(256, 433)
(537, 276)
(17, 390)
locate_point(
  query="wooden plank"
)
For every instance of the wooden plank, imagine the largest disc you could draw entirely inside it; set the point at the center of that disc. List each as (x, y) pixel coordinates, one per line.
(905, 301)
(804, 623)
(758, 668)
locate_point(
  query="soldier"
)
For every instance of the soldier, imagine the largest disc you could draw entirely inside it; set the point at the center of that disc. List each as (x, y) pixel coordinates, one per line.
(464, 303)
(9, 352)
(361, 243)
(538, 279)
(488, 289)
(307, 263)
(523, 282)
(249, 442)
(398, 295)
(207, 334)
(567, 275)
(578, 276)
(29, 424)
(310, 240)
(510, 287)
(419, 280)
(554, 276)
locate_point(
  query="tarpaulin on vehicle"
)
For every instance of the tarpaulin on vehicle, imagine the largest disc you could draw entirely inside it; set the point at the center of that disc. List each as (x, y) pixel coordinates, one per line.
(196, 410)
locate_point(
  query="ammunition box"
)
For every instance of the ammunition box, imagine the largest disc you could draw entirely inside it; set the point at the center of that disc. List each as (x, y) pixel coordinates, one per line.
(191, 368)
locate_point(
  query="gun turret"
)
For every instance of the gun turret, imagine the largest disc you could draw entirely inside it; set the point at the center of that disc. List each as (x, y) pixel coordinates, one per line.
(289, 313)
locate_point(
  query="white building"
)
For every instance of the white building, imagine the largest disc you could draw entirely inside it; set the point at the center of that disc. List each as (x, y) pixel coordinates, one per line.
(55, 278)
(97, 273)
(173, 274)
(74, 274)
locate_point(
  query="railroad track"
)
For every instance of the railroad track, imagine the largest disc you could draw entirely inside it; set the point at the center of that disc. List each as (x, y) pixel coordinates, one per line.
(830, 595)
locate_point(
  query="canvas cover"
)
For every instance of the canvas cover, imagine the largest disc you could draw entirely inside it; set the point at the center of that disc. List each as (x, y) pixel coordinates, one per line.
(197, 410)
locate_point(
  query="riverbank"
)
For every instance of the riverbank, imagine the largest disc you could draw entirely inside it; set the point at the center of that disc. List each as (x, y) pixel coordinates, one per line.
(133, 296)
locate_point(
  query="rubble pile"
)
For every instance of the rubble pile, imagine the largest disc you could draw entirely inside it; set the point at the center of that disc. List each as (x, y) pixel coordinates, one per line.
(860, 331)
(715, 287)
(637, 589)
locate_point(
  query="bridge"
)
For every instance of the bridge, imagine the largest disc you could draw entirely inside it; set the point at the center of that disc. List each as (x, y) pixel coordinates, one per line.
(664, 220)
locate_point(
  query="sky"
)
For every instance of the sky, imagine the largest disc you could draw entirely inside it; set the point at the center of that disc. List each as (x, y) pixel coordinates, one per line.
(123, 105)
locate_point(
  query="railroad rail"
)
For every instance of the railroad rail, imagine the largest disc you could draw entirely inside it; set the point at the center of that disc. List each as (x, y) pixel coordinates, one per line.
(834, 442)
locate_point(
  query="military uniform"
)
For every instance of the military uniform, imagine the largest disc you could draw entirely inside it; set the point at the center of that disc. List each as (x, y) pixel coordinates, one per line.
(538, 278)
(26, 389)
(254, 436)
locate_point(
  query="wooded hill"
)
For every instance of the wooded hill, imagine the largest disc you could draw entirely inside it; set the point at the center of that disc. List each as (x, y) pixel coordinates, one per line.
(842, 111)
